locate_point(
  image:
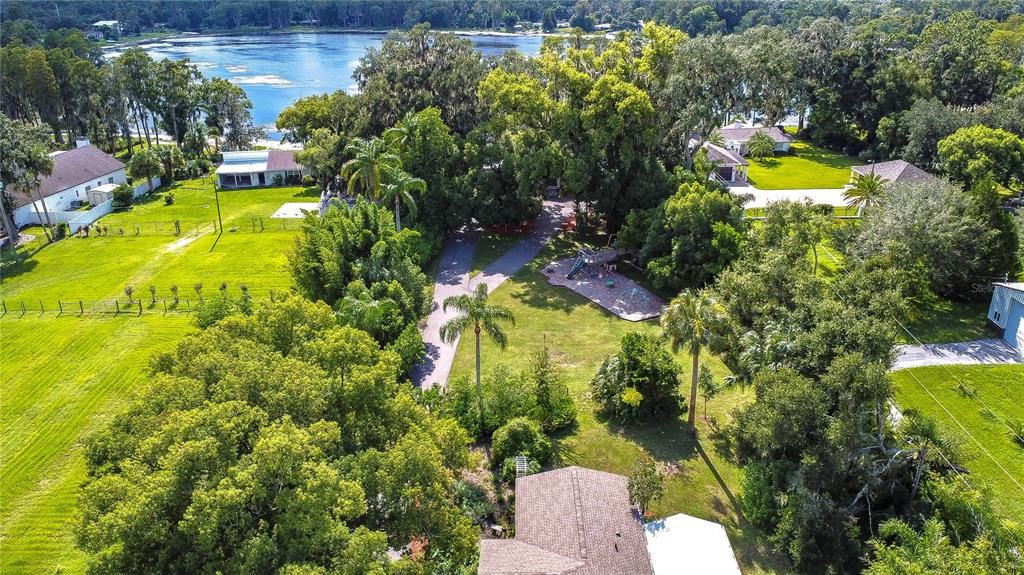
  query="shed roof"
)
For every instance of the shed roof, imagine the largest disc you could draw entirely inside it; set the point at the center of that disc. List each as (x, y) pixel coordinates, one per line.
(581, 515)
(70, 169)
(744, 134)
(1014, 286)
(895, 171)
(683, 544)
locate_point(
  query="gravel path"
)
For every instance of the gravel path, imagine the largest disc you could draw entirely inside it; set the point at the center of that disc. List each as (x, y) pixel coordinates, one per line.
(982, 351)
(453, 279)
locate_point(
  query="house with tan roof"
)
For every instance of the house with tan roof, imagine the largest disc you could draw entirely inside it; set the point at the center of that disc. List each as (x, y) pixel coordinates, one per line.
(75, 174)
(578, 521)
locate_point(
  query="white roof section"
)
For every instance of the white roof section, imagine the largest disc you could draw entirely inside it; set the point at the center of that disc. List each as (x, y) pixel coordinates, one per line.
(1015, 286)
(105, 188)
(247, 162)
(101, 23)
(685, 545)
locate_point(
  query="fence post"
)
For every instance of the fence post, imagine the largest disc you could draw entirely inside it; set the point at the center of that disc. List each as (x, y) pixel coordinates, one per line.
(253, 225)
(60, 306)
(41, 310)
(117, 308)
(23, 310)
(5, 307)
(81, 309)
(215, 226)
(261, 223)
(140, 307)
(165, 306)
(188, 306)
(136, 229)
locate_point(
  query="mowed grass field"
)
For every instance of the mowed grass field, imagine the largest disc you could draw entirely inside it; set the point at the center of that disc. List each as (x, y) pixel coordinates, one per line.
(63, 376)
(808, 166)
(704, 482)
(975, 423)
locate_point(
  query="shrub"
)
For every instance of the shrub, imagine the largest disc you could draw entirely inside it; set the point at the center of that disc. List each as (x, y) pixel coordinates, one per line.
(508, 469)
(169, 198)
(277, 180)
(60, 231)
(507, 395)
(213, 309)
(308, 180)
(640, 382)
(521, 436)
(409, 346)
(472, 501)
(124, 196)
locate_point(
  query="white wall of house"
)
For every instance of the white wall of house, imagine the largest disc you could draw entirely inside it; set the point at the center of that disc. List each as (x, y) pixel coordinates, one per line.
(740, 147)
(61, 201)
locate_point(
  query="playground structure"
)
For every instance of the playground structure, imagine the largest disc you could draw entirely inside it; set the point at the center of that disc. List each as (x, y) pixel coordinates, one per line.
(592, 274)
(587, 260)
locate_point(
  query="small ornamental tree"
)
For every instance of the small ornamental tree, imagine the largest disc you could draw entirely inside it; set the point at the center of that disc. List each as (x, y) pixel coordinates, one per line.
(646, 483)
(124, 196)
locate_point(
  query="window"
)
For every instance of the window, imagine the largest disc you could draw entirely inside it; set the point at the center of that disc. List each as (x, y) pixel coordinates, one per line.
(110, 180)
(87, 188)
(996, 316)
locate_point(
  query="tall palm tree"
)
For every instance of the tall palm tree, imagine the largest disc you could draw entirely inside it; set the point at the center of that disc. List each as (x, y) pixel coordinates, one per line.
(403, 131)
(397, 189)
(483, 318)
(865, 191)
(690, 321)
(369, 160)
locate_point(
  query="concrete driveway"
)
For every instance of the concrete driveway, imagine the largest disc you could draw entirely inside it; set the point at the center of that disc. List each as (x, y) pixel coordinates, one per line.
(453, 279)
(982, 351)
(761, 198)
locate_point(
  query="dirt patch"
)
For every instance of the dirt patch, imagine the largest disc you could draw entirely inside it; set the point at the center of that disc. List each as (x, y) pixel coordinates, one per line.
(180, 243)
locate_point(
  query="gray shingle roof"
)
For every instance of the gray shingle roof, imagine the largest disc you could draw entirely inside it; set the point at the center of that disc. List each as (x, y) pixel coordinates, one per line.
(722, 157)
(280, 160)
(895, 171)
(581, 515)
(72, 168)
(744, 134)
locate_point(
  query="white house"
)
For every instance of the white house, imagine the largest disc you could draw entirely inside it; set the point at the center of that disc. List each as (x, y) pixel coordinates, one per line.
(1006, 312)
(735, 137)
(251, 169)
(75, 173)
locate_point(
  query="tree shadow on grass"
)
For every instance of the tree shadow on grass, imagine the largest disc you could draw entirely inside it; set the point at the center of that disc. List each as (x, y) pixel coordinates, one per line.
(16, 264)
(533, 290)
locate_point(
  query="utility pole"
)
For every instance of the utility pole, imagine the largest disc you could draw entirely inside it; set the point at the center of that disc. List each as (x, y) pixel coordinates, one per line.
(216, 194)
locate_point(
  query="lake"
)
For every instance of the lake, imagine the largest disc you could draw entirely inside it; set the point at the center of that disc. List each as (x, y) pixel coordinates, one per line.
(277, 69)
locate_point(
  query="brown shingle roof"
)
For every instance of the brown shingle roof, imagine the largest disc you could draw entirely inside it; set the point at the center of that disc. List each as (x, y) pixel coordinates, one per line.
(512, 557)
(895, 171)
(579, 514)
(744, 134)
(70, 169)
(281, 160)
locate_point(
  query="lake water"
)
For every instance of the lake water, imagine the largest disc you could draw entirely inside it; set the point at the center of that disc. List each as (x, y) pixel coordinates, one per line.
(276, 69)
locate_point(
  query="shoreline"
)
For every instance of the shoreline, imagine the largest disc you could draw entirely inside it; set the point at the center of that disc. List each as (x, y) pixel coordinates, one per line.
(467, 32)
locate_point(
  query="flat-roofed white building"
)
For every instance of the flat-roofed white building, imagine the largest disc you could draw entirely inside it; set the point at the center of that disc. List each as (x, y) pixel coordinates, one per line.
(251, 169)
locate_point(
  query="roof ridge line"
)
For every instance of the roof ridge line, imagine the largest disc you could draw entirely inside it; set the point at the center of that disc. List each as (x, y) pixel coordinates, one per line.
(578, 508)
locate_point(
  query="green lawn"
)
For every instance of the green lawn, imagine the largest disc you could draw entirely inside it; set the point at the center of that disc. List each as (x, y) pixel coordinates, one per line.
(491, 246)
(999, 387)
(940, 320)
(61, 377)
(809, 166)
(704, 481)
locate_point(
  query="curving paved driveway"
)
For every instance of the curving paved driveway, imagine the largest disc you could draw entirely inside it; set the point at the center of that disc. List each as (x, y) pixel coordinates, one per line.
(761, 198)
(453, 279)
(982, 351)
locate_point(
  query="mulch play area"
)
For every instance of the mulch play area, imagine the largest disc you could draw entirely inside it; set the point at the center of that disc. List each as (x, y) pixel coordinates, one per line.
(608, 289)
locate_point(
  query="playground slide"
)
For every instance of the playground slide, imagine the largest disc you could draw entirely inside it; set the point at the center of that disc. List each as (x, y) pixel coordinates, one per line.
(577, 266)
